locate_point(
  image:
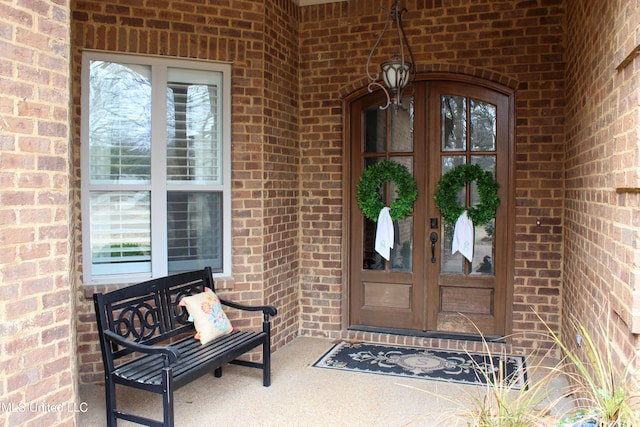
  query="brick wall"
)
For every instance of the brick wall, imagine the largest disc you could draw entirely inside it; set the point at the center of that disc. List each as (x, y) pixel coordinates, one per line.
(260, 39)
(602, 213)
(37, 348)
(281, 164)
(519, 44)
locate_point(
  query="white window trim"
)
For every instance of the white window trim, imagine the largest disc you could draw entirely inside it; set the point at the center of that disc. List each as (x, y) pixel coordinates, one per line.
(159, 252)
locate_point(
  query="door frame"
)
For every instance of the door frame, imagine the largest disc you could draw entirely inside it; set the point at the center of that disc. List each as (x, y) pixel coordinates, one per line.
(349, 191)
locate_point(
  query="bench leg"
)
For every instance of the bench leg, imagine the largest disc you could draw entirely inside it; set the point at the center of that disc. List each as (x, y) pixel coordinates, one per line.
(266, 363)
(218, 372)
(110, 397)
(167, 399)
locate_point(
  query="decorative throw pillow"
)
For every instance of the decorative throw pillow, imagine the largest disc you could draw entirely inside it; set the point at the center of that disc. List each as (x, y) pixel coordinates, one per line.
(209, 319)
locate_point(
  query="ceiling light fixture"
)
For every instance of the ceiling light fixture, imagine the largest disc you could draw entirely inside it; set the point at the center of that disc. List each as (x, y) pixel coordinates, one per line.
(398, 73)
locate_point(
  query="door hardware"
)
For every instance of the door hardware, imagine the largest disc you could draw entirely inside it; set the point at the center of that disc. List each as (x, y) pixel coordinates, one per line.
(434, 239)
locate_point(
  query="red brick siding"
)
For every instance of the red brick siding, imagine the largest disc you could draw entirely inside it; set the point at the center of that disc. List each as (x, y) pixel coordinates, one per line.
(37, 350)
(602, 203)
(281, 165)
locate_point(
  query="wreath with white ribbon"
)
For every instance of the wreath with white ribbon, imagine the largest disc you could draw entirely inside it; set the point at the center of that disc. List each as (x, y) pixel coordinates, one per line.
(457, 178)
(372, 179)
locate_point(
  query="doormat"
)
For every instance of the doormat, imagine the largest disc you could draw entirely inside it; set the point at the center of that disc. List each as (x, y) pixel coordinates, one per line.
(426, 363)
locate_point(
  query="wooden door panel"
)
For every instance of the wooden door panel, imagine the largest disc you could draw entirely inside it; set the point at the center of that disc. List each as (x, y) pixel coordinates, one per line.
(453, 322)
(467, 301)
(387, 295)
(466, 310)
(401, 316)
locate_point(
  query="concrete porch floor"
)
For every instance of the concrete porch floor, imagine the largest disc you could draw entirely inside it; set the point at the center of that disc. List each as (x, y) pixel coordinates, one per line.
(299, 396)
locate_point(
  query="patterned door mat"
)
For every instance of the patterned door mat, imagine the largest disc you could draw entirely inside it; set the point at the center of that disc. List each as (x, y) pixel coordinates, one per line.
(426, 363)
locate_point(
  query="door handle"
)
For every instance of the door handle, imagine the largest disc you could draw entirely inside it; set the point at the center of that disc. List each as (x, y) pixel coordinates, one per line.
(434, 239)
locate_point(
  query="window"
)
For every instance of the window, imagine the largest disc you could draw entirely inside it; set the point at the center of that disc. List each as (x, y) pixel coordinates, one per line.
(156, 192)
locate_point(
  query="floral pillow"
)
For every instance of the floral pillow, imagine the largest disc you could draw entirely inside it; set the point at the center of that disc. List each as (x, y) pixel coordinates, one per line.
(208, 318)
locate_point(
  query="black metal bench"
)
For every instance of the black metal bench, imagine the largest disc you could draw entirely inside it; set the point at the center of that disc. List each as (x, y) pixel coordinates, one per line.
(144, 326)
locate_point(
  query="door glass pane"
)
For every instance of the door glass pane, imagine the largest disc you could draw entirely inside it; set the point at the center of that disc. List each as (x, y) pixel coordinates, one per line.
(407, 162)
(484, 234)
(401, 120)
(454, 123)
(483, 126)
(371, 160)
(402, 255)
(483, 252)
(487, 163)
(120, 232)
(371, 260)
(119, 123)
(194, 230)
(449, 162)
(375, 133)
(451, 263)
(194, 131)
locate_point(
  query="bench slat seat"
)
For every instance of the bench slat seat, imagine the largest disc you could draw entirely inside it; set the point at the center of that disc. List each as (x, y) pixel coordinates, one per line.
(194, 357)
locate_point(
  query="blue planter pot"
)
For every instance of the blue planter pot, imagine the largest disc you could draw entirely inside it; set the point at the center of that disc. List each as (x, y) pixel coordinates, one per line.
(571, 422)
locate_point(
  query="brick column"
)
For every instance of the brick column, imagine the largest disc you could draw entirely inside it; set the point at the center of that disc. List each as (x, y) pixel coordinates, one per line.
(37, 348)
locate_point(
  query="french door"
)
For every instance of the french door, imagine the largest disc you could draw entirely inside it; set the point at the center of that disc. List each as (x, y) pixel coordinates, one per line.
(424, 287)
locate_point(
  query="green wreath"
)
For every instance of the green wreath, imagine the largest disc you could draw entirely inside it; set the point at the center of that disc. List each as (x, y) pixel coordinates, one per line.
(457, 178)
(372, 179)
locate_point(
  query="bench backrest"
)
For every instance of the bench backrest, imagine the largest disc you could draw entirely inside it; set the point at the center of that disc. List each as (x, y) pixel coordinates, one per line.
(148, 312)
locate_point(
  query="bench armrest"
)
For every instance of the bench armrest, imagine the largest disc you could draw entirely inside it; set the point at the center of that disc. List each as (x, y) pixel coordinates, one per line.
(268, 310)
(170, 352)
